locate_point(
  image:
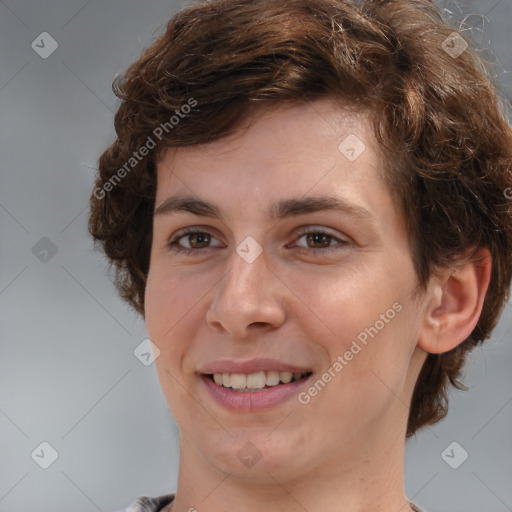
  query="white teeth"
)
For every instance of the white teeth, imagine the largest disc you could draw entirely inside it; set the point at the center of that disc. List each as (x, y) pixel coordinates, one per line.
(272, 378)
(285, 377)
(255, 381)
(237, 380)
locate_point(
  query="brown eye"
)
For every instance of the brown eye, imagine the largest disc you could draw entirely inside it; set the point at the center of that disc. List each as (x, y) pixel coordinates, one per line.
(198, 240)
(315, 240)
(319, 240)
(192, 240)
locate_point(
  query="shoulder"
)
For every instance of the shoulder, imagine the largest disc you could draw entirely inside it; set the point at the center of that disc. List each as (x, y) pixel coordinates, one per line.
(147, 504)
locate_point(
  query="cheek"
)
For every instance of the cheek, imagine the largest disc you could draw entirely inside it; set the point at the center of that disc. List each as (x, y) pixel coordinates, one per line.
(168, 298)
(156, 302)
(175, 309)
(363, 317)
(340, 304)
(164, 308)
(163, 312)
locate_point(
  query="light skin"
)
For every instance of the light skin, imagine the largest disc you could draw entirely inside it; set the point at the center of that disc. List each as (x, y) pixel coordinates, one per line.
(303, 300)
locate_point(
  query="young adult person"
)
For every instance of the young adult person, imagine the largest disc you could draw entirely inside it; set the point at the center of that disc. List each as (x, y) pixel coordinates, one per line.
(306, 201)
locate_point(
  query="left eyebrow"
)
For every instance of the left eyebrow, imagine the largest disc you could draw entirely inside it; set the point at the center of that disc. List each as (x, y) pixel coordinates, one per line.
(299, 206)
(284, 208)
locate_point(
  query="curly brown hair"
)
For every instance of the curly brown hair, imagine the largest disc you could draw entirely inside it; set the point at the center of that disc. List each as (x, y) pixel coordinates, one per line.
(437, 116)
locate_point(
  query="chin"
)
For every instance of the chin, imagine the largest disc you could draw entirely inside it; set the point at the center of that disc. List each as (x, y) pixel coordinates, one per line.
(255, 457)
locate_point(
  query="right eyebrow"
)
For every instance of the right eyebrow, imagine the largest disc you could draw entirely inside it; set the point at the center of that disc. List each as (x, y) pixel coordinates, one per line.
(189, 204)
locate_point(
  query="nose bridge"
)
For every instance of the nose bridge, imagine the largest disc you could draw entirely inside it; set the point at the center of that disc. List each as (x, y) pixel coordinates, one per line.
(245, 295)
(246, 280)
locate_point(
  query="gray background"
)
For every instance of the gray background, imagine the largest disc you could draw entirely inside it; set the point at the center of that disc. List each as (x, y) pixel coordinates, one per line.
(68, 372)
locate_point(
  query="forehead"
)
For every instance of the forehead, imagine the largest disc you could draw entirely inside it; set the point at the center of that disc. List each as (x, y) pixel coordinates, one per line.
(315, 148)
(282, 126)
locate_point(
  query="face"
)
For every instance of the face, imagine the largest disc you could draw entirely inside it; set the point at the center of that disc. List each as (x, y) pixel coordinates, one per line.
(278, 254)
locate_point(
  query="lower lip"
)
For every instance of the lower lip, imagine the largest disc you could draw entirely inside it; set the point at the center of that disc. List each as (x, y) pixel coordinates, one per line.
(253, 400)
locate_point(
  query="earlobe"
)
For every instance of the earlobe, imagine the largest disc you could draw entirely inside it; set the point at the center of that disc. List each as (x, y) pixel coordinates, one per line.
(454, 303)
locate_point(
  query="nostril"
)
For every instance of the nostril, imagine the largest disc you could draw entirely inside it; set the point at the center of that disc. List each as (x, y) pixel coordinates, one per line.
(258, 324)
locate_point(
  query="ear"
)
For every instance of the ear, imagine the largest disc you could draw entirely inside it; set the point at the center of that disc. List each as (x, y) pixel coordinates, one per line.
(454, 303)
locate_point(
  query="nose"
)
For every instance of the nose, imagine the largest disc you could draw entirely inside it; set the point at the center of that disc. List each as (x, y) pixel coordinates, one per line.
(248, 300)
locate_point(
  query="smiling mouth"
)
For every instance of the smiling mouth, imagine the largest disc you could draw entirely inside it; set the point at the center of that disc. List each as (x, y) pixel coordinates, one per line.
(255, 382)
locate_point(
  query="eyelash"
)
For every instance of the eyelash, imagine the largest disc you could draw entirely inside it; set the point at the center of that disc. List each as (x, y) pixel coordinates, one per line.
(175, 247)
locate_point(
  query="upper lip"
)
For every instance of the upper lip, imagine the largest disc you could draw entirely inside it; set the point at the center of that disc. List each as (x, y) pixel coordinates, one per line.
(251, 366)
